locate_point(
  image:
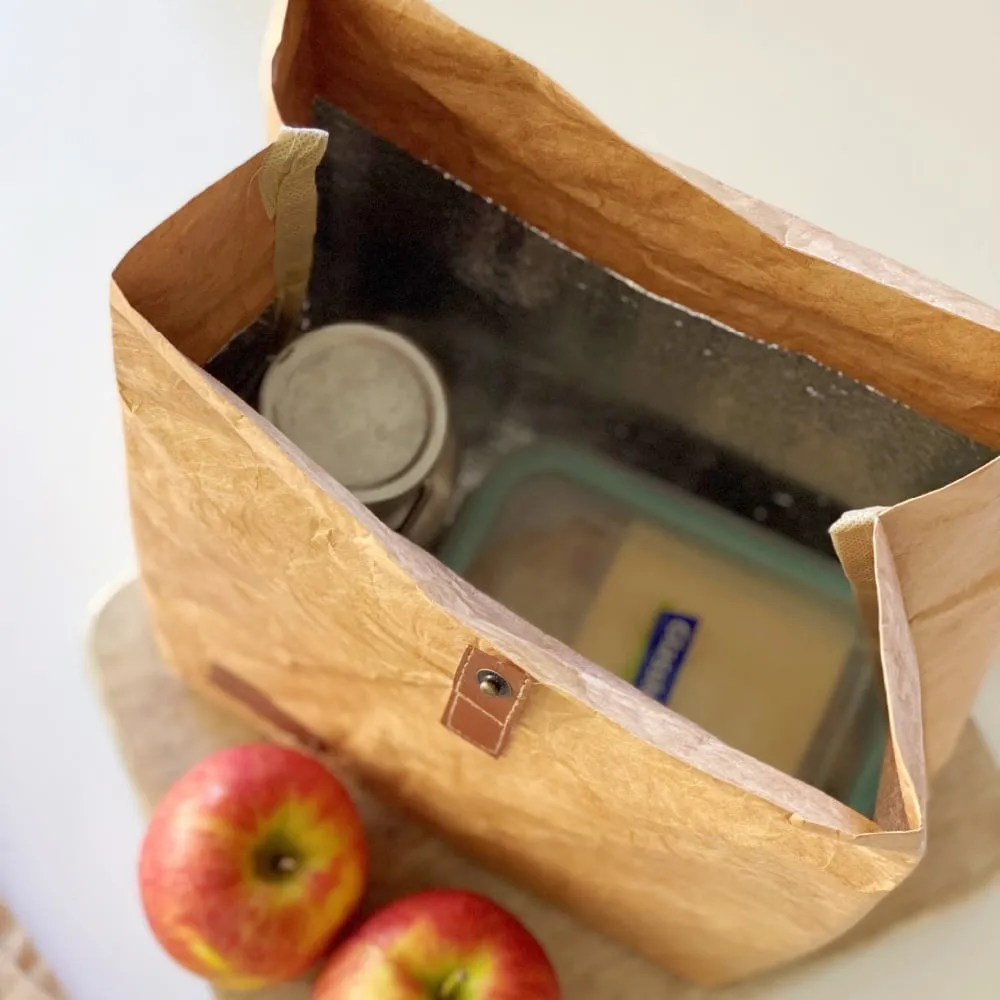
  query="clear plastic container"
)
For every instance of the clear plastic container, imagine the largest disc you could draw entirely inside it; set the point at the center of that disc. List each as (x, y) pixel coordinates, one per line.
(748, 634)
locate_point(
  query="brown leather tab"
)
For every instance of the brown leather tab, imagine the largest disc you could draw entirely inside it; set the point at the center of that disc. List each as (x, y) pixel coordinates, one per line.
(488, 696)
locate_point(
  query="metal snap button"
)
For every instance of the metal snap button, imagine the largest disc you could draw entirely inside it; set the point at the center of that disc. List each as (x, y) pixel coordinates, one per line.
(493, 684)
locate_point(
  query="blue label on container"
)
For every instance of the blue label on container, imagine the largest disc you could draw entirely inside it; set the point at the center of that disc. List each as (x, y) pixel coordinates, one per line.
(667, 649)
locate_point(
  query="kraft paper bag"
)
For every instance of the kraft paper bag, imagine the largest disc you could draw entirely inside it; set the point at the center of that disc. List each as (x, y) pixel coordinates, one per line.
(275, 592)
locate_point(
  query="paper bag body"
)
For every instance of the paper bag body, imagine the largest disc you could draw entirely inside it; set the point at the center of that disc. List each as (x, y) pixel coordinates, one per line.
(274, 591)
(341, 635)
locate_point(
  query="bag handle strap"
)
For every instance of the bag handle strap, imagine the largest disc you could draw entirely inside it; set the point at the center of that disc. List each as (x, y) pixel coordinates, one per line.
(288, 189)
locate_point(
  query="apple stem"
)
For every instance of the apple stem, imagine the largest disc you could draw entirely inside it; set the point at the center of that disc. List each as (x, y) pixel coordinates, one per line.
(449, 989)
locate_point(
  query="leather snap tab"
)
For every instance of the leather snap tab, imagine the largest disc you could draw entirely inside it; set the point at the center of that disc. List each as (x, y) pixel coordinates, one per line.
(487, 697)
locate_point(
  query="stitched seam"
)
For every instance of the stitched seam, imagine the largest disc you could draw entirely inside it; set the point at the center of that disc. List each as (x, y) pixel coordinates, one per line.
(479, 708)
(462, 667)
(525, 684)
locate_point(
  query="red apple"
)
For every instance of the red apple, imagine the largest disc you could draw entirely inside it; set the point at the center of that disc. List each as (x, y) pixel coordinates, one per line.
(439, 945)
(252, 862)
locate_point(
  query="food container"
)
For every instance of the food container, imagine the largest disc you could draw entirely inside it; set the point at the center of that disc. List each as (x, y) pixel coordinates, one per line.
(370, 408)
(746, 633)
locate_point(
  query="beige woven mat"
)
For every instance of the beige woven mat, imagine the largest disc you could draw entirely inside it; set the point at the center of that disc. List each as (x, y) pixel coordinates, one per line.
(23, 973)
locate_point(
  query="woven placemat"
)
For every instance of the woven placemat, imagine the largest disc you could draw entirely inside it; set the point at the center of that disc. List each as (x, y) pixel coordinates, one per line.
(23, 973)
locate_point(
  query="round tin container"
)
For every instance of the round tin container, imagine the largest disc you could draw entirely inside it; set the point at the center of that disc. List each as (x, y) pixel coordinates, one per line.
(368, 406)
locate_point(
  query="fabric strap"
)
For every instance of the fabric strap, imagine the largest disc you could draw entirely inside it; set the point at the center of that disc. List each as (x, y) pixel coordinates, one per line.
(288, 189)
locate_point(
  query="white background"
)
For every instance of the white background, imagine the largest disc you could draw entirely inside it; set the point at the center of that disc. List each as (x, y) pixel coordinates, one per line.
(881, 126)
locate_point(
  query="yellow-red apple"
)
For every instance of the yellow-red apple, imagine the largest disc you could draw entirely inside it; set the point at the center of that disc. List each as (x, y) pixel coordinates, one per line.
(253, 860)
(439, 945)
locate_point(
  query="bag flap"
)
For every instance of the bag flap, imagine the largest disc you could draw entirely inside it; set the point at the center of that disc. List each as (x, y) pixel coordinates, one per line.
(495, 122)
(945, 549)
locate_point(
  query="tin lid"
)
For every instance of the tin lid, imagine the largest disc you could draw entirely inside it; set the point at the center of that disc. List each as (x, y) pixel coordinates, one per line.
(364, 403)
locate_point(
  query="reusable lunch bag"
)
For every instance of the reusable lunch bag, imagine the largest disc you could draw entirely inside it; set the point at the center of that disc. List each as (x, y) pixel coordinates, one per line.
(276, 592)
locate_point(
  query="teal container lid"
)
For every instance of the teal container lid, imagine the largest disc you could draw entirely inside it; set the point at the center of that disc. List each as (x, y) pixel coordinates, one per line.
(666, 507)
(651, 500)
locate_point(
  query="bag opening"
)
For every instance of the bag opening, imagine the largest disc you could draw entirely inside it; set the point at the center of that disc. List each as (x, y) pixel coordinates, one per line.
(635, 426)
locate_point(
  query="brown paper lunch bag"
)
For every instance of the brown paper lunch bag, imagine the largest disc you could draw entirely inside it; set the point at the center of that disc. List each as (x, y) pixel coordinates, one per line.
(274, 591)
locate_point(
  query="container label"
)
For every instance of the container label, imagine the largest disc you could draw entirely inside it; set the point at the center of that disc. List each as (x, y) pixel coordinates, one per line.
(666, 650)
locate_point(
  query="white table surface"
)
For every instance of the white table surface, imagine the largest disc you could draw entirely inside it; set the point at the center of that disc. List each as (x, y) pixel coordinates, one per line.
(880, 126)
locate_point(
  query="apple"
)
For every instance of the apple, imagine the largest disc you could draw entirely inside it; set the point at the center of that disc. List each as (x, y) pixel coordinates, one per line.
(253, 860)
(439, 945)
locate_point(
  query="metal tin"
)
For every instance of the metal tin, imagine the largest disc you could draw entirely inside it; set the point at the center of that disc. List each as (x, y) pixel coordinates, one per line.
(369, 407)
